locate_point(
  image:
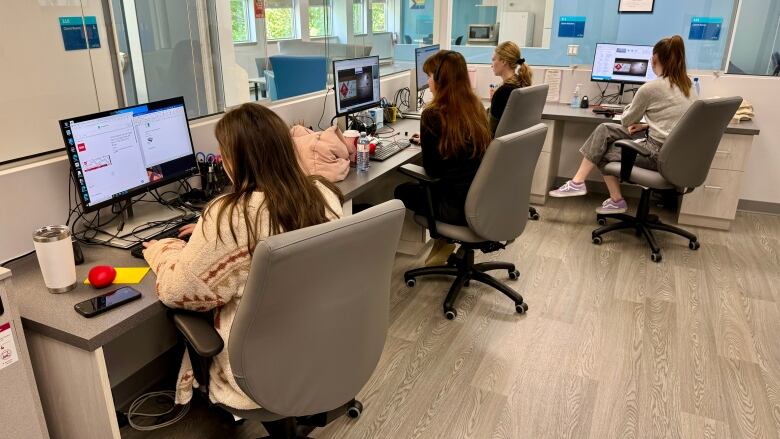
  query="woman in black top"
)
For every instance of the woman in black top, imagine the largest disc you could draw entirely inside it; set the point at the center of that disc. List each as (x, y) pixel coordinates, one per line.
(509, 64)
(453, 138)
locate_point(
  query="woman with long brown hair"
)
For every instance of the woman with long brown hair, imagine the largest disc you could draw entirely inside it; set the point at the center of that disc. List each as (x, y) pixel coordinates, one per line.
(509, 64)
(454, 134)
(271, 195)
(661, 102)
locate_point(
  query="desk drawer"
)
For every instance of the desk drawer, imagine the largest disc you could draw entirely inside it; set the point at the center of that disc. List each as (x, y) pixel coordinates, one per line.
(732, 152)
(716, 198)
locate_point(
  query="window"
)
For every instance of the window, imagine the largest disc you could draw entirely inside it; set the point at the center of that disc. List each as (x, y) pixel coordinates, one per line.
(320, 19)
(358, 16)
(242, 20)
(280, 19)
(379, 15)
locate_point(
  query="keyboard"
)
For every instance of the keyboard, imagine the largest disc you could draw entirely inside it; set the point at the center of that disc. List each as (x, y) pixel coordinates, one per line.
(385, 150)
(173, 232)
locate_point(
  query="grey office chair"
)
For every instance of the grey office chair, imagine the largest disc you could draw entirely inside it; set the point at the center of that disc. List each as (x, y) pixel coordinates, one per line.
(683, 165)
(407, 39)
(312, 322)
(523, 110)
(495, 208)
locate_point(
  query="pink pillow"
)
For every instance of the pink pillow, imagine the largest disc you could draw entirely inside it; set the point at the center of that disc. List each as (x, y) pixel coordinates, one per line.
(322, 153)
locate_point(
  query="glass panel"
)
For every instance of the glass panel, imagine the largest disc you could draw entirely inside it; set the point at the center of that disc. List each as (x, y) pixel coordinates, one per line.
(417, 22)
(320, 22)
(239, 11)
(756, 48)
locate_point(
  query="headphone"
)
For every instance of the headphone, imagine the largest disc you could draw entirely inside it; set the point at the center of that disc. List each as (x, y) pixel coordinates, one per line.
(447, 53)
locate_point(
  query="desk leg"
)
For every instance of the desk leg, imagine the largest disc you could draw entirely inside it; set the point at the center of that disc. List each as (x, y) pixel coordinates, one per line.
(74, 389)
(257, 91)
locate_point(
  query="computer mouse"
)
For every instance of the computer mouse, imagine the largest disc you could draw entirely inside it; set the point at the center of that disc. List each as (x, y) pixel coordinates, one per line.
(101, 276)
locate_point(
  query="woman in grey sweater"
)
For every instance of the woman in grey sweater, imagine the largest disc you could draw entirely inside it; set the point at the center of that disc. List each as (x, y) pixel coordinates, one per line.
(661, 102)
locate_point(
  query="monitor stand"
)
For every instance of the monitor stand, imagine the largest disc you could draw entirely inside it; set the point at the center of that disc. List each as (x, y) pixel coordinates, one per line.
(133, 223)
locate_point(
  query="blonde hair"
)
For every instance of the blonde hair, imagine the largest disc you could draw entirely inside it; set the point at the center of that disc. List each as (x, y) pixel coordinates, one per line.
(509, 53)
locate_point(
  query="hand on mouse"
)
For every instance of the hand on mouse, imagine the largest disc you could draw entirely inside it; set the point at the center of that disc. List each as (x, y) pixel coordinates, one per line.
(186, 230)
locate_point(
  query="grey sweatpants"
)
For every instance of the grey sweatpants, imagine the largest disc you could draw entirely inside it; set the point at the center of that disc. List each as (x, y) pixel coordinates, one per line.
(599, 150)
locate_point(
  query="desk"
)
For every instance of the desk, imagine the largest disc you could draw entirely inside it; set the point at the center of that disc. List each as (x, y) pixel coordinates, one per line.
(84, 367)
(713, 205)
(259, 85)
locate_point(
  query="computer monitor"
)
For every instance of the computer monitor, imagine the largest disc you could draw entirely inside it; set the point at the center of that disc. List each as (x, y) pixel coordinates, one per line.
(117, 154)
(421, 54)
(623, 63)
(357, 84)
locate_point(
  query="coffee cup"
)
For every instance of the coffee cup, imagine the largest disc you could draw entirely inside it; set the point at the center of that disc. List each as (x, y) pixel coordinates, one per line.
(54, 249)
(352, 136)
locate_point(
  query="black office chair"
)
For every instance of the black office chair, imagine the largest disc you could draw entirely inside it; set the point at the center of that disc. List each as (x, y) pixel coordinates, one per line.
(496, 212)
(302, 347)
(407, 39)
(683, 165)
(459, 40)
(776, 62)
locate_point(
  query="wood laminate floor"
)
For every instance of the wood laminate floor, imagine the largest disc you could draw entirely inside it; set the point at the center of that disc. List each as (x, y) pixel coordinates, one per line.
(613, 345)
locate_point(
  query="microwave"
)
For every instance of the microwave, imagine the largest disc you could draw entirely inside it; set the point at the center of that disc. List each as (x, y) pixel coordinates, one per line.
(482, 33)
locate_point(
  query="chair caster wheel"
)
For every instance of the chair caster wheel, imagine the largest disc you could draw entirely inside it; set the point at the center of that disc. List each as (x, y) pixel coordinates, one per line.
(655, 257)
(694, 245)
(355, 409)
(602, 221)
(450, 314)
(514, 274)
(535, 216)
(411, 283)
(521, 308)
(597, 240)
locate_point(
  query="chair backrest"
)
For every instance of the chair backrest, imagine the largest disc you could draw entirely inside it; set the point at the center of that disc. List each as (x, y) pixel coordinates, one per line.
(261, 66)
(459, 40)
(523, 109)
(687, 154)
(497, 202)
(297, 75)
(312, 322)
(407, 39)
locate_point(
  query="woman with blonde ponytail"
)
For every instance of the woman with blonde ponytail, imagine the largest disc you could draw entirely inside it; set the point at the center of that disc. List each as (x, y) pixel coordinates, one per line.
(509, 64)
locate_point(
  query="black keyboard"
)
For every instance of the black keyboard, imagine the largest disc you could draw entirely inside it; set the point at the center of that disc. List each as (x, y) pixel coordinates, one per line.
(385, 150)
(138, 249)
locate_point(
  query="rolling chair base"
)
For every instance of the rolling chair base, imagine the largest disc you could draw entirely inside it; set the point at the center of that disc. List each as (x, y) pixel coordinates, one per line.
(533, 214)
(465, 270)
(643, 223)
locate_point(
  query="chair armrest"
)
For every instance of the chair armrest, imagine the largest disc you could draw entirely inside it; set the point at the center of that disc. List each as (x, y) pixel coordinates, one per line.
(199, 332)
(628, 153)
(417, 172)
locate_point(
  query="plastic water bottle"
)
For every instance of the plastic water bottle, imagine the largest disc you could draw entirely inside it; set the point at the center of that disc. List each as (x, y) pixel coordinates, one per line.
(363, 150)
(575, 99)
(697, 87)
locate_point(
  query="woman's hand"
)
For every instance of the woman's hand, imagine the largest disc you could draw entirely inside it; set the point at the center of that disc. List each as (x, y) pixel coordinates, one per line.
(186, 230)
(637, 127)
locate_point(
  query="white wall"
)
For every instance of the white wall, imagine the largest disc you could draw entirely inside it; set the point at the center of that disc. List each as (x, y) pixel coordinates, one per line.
(37, 193)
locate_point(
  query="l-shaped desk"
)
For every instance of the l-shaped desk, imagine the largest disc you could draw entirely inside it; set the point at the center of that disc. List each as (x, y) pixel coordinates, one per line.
(82, 366)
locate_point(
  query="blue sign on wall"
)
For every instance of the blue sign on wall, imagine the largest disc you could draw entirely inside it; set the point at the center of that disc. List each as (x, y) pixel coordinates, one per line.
(571, 27)
(705, 28)
(73, 32)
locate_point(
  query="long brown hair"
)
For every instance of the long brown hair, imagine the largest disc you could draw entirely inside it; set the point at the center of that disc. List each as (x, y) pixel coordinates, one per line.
(670, 52)
(509, 52)
(259, 155)
(459, 107)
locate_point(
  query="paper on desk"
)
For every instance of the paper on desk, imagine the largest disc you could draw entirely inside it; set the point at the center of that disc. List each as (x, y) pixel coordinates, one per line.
(552, 77)
(128, 275)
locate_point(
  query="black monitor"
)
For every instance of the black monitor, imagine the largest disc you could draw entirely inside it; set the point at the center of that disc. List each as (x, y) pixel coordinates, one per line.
(421, 54)
(356, 82)
(623, 64)
(117, 154)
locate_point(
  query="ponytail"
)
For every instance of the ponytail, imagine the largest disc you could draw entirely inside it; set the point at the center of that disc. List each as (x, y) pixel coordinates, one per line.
(670, 52)
(509, 53)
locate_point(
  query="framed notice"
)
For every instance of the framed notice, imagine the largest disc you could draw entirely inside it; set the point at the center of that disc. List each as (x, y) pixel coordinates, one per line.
(640, 6)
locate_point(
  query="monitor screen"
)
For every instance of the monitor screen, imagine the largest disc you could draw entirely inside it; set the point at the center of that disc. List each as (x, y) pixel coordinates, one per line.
(623, 63)
(357, 84)
(120, 153)
(421, 54)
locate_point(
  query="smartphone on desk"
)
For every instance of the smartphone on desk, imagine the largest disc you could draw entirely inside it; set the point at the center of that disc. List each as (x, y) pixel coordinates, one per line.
(104, 302)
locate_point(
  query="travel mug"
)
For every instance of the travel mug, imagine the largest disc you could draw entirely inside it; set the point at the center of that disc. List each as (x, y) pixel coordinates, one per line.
(54, 249)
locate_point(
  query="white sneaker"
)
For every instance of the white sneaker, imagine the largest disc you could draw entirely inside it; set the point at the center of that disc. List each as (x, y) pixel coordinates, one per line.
(569, 189)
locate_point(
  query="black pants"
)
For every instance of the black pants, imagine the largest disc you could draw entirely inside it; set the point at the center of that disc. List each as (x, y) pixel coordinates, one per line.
(415, 199)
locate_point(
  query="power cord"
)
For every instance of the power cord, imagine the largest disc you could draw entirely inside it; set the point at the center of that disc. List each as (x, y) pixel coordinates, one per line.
(324, 103)
(135, 407)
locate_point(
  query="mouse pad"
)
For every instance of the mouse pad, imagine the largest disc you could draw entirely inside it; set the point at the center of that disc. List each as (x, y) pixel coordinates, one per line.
(127, 275)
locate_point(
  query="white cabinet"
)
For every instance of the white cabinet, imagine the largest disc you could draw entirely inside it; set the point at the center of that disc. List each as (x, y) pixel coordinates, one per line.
(517, 26)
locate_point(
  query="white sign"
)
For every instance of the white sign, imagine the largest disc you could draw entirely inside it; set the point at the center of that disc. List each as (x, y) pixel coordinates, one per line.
(8, 355)
(635, 6)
